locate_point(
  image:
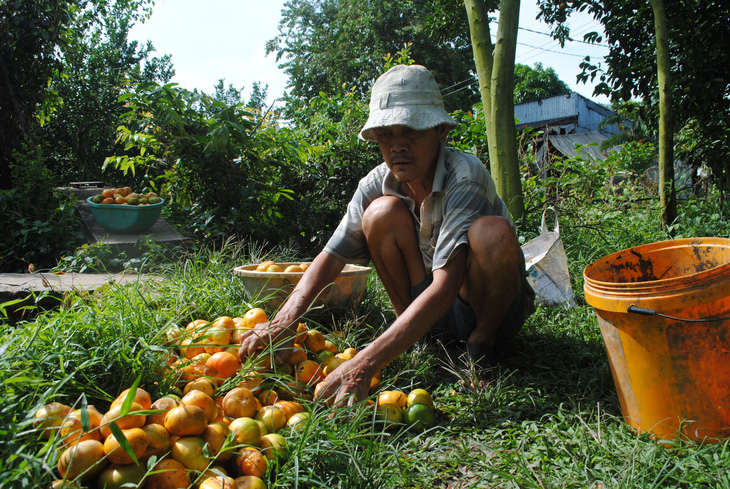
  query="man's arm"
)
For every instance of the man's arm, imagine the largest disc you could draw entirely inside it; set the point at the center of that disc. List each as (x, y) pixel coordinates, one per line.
(282, 329)
(353, 377)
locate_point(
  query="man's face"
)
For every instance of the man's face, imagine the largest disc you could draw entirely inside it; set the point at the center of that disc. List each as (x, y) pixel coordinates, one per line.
(410, 154)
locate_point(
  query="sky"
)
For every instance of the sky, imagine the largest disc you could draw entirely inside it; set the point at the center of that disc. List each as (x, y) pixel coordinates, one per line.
(227, 39)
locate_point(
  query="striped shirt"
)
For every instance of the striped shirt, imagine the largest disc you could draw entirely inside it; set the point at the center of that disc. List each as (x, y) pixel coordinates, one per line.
(463, 190)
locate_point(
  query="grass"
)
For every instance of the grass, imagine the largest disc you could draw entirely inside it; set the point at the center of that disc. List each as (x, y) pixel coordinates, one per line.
(551, 418)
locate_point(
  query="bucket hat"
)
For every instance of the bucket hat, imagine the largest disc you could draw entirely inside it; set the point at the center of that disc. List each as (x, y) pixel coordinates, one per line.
(405, 96)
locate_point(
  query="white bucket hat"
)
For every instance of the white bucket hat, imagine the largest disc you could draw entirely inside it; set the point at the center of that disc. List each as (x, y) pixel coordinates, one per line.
(405, 96)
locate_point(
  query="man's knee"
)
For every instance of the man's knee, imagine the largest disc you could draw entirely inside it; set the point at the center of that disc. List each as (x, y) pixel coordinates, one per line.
(384, 213)
(493, 238)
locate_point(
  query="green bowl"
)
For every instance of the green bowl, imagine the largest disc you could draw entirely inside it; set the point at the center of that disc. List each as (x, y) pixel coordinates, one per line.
(126, 218)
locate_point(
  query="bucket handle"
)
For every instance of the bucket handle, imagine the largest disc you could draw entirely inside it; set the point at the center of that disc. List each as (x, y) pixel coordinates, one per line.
(556, 226)
(651, 312)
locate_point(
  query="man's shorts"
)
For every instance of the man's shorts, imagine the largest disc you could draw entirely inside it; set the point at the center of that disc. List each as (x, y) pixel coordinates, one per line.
(459, 321)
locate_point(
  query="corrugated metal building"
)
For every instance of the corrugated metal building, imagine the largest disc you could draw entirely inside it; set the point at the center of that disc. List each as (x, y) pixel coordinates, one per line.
(566, 121)
(564, 114)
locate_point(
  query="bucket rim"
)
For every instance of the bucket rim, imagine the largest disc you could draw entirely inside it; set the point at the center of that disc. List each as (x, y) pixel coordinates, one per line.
(662, 294)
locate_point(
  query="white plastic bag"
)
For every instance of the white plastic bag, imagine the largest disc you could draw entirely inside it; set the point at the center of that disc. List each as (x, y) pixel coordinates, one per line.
(547, 267)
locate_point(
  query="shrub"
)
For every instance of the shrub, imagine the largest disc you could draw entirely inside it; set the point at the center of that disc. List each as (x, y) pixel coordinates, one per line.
(40, 224)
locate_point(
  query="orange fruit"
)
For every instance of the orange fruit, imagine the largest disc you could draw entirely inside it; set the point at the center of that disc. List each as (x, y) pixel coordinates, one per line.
(226, 322)
(253, 317)
(274, 446)
(130, 420)
(315, 341)
(249, 482)
(289, 408)
(190, 451)
(273, 418)
(293, 269)
(137, 439)
(419, 396)
(268, 397)
(203, 401)
(251, 382)
(186, 420)
(328, 345)
(158, 439)
(301, 333)
(324, 357)
(390, 414)
(196, 325)
(393, 397)
(202, 384)
(190, 348)
(215, 435)
(116, 476)
(108, 200)
(239, 403)
(217, 481)
(107, 192)
(221, 366)
(298, 420)
(85, 457)
(419, 417)
(246, 431)
(309, 372)
(333, 364)
(141, 397)
(264, 265)
(348, 353)
(163, 404)
(273, 268)
(250, 461)
(72, 428)
(216, 338)
(167, 474)
(50, 417)
(297, 355)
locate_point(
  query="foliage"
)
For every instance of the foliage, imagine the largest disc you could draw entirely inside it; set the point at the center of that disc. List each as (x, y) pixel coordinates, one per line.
(537, 83)
(335, 162)
(699, 52)
(80, 131)
(325, 44)
(39, 225)
(219, 167)
(34, 36)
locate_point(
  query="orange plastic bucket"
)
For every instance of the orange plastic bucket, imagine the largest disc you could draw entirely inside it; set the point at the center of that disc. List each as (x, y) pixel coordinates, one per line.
(672, 374)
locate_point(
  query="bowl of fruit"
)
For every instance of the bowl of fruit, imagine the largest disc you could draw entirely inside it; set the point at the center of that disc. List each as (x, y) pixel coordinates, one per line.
(273, 282)
(122, 210)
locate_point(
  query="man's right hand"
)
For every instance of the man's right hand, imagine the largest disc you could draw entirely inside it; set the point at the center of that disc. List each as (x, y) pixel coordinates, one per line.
(265, 334)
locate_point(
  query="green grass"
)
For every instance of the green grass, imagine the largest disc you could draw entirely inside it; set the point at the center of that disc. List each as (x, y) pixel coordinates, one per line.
(550, 420)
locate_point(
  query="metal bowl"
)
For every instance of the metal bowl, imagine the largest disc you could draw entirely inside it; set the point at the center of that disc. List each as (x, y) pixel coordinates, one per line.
(126, 218)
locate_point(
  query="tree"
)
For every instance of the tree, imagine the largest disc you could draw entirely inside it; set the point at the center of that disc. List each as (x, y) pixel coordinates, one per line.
(537, 83)
(325, 44)
(30, 34)
(495, 70)
(667, 194)
(699, 54)
(103, 65)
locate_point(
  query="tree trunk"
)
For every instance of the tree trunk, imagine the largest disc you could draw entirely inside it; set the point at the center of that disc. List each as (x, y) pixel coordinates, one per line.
(495, 70)
(667, 193)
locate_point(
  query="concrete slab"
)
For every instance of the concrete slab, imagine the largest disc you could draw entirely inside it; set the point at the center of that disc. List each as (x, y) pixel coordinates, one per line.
(24, 286)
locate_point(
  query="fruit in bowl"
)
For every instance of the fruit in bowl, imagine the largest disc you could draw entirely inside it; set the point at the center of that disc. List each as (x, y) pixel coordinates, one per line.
(125, 196)
(123, 211)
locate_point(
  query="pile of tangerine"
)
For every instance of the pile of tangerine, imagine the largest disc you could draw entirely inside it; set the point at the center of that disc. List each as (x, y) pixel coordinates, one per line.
(125, 196)
(188, 432)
